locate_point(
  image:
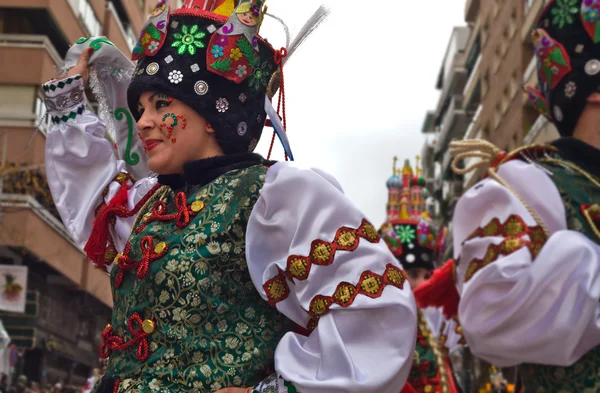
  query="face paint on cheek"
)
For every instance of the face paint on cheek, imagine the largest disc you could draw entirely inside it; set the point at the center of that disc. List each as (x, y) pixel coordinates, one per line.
(176, 119)
(169, 127)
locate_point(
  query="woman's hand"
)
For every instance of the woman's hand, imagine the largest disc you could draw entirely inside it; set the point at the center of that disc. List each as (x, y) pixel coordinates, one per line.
(82, 66)
(235, 390)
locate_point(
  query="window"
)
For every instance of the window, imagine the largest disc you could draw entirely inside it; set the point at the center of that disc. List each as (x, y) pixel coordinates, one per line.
(497, 58)
(485, 32)
(485, 84)
(505, 100)
(84, 10)
(512, 25)
(497, 115)
(514, 83)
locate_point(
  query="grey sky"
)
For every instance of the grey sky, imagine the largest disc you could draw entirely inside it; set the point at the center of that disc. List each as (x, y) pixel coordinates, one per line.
(358, 89)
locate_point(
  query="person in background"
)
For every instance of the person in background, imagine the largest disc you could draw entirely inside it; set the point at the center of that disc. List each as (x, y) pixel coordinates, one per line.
(528, 236)
(410, 235)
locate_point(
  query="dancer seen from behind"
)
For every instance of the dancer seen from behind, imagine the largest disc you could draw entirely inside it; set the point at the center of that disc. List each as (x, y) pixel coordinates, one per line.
(217, 262)
(527, 236)
(410, 235)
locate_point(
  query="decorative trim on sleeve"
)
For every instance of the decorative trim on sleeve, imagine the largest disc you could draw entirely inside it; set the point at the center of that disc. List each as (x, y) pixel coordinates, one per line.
(275, 384)
(370, 284)
(321, 253)
(508, 246)
(513, 230)
(70, 115)
(64, 101)
(52, 86)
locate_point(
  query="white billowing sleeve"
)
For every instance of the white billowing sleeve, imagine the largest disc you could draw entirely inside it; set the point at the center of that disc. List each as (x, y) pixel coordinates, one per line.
(524, 298)
(312, 254)
(81, 163)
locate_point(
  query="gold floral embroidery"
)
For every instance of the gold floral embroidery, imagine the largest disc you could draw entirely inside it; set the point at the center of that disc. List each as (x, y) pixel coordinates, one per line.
(210, 324)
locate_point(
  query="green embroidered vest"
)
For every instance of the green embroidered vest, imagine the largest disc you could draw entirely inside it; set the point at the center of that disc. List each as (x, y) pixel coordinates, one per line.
(205, 325)
(427, 373)
(584, 376)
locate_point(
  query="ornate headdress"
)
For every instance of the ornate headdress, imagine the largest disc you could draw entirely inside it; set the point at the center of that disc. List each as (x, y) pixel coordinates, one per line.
(567, 46)
(217, 64)
(408, 230)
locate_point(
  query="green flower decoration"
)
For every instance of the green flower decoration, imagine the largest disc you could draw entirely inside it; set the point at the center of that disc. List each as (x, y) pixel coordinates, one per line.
(563, 12)
(406, 234)
(188, 40)
(260, 77)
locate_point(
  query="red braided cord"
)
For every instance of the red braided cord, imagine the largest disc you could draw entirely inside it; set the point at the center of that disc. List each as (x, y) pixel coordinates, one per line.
(279, 56)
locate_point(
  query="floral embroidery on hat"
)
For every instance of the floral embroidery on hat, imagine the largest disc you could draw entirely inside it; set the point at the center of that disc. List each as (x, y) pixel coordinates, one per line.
(241, 71)
(590, 15)
(188, 40)
(217, 51)
(563, 12)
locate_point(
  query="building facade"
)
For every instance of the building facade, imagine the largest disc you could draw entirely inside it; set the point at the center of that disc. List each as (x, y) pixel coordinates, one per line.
(69, 302)
(497, 59)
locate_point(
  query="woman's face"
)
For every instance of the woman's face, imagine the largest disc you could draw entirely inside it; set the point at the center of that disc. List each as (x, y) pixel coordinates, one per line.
(417, 275)
(173, 133)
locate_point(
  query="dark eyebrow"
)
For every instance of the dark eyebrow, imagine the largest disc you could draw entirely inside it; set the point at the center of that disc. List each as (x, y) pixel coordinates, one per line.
(151, 98)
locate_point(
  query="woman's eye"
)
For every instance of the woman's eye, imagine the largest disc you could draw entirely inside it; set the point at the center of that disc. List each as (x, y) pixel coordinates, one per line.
(141, 111)
(162, 104)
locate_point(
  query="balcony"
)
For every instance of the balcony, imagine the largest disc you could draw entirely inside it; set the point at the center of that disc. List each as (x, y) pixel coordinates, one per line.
(472, 10)
(59, 16)
(428, 126)
(471, 87)
(533, 8)
(27, 59)
(454, 125)
(30, 221)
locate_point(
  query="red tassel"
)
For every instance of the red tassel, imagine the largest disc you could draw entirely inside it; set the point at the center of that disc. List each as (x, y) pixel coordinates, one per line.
(440, 291)
(96, 246)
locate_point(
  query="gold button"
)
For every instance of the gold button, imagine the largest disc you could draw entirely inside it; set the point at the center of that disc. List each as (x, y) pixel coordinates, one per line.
(197, 206)
(108, 326)
(428, 388)
(148, 326)
(160, 247)
(117, 257)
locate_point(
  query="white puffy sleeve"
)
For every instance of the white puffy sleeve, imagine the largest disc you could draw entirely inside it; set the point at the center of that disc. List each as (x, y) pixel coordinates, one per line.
(81, 166)
(525, 298)
(313, 255)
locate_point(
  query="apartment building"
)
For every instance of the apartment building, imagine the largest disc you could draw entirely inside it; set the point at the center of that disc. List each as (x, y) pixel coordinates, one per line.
(498, 58)
(69, 302)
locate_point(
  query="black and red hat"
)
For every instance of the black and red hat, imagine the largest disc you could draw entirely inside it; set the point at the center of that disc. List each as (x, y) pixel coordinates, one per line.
(567, 45)
(217, 65)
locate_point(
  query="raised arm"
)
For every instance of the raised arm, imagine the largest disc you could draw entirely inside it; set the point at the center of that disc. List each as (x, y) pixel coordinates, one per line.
(313, 255)
(81, 165)
(525, 297)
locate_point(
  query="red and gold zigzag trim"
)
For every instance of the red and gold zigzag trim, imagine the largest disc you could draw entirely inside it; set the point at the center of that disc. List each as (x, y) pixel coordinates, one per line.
(513, 230)
(507, 247)
(370, 284)
(513, 226)
(321, 253)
